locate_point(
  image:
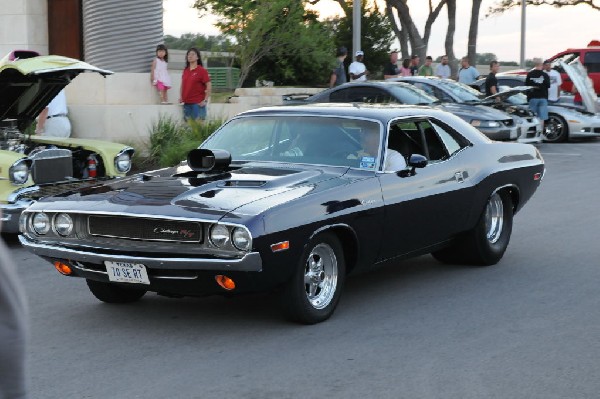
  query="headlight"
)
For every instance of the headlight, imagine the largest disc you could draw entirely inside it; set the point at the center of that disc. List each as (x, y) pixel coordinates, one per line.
(63, 224)
(241, 239)
(41, 223)
(480, 123)
(19, 172)
(219, 235)
(123, 161)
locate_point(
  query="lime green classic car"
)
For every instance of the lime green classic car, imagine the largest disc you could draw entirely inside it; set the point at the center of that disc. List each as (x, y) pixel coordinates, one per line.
(34, 166)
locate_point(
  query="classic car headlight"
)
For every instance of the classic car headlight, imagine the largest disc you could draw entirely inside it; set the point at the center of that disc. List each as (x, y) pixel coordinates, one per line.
(241, 239)
(40, 223)
(219, 235)
(480, 123)
(123, 160)
(19, 172)
(63, 224)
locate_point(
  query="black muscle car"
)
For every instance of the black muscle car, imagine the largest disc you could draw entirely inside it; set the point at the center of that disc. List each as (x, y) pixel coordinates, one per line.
(293, 199)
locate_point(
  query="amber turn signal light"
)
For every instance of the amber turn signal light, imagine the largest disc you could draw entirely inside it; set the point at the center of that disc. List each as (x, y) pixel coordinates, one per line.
(280, 246)
(62, 268)
(225, 282)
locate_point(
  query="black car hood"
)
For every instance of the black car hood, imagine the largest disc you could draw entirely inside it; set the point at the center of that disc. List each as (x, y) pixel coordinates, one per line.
(210, 196)
(28, 85)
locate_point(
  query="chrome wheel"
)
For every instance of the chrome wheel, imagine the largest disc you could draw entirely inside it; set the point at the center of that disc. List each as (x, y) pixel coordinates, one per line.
(555, 129)
(321, 276)
(494, 218)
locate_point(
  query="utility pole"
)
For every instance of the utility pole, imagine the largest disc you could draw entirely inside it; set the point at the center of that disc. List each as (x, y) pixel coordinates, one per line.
(356, 9)
(523, 7)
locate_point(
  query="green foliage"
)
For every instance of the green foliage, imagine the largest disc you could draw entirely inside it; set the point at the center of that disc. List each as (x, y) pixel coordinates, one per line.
(218, 43)
(376, 37)
(171, 139)
(279, 29)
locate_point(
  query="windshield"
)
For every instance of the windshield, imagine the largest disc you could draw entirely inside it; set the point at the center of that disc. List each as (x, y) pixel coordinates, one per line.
(318, 140)
(411, 95)
(462, 91)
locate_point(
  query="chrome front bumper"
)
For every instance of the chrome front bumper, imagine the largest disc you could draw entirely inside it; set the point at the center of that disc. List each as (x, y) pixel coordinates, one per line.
(251, 262)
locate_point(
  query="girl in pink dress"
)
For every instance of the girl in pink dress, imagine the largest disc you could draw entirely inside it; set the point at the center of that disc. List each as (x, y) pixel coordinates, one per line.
(159, 73)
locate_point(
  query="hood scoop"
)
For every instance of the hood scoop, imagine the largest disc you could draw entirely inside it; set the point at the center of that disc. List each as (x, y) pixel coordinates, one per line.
(243, 183)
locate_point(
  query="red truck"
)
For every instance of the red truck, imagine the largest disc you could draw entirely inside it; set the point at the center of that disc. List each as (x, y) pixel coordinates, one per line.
(588, 56)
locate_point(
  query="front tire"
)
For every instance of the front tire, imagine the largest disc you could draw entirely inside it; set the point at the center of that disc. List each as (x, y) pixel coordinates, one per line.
(112, 293)
(314, 290)
(556, 129)
(486, 243)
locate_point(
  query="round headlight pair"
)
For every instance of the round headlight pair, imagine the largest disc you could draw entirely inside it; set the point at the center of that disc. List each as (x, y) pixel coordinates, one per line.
(62, 223)
(123, 161)
(19, 172)
(240, 237)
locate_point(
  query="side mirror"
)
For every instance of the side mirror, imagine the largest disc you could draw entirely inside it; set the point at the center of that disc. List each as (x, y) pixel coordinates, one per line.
(414, 161)
(203, 160)
(417, 161)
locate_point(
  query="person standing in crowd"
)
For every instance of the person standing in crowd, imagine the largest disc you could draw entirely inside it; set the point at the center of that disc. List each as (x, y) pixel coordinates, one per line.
(467, 74)
(195, 87)
(159, 75)
(443, 69)
(53, 120)
(426, 69)
(538, 96)
(491, 82)
(405, 67)
(555, 82)
(390, 70)
(338, 73)
(358, 70)
(414, 65)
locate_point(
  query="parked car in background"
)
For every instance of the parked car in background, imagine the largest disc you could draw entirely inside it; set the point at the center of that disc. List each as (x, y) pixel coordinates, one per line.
(293, 199)
(32, 166)
(495, 124)
(565, 120)
(528, 126)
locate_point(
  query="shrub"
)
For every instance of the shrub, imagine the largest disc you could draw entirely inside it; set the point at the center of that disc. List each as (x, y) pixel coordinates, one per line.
(171, 140)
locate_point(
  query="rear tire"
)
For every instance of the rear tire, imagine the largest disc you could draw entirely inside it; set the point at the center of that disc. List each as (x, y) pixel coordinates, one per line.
(112, 293)
(314, 290)
(486, 243)
(556, 129)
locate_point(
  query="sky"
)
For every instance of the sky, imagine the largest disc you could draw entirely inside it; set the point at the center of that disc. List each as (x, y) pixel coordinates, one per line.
(548, 30)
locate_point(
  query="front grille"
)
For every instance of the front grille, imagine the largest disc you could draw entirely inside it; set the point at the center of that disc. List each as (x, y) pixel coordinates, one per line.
(51, 165)
(145, 229)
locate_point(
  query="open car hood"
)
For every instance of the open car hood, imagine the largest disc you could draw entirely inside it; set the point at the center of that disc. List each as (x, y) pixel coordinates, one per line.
(28, 85)
(584, 85)
(504, 94)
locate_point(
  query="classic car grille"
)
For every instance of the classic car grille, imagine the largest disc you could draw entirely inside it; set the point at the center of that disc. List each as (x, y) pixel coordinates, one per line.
(51, 165)
(145, 229)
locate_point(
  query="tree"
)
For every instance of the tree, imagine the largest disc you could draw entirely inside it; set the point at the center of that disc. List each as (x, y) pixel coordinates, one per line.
(418, 43)
(500, 6)
(473, 28)
(449, 42)
(200, 41)
(264, 27)
(376, 36)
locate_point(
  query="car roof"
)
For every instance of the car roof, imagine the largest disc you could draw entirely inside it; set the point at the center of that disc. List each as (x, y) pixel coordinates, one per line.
(381, 112)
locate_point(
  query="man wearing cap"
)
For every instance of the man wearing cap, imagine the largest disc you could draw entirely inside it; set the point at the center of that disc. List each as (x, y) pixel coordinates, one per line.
(555, 82)
(338, 73)
(358, 70)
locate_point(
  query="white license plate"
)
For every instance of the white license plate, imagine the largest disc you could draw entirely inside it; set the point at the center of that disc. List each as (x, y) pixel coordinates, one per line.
(125, 272)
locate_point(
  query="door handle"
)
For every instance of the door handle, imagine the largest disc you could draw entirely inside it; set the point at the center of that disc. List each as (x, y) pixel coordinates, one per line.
(459, 176)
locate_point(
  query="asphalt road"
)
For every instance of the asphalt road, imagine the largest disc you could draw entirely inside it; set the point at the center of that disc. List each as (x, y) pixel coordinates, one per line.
(528, 327)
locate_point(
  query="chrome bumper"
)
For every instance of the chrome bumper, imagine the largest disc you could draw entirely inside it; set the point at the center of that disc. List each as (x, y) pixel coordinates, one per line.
(251, 262)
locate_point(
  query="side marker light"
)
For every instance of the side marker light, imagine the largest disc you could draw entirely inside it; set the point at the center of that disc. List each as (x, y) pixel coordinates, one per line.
(280, 246)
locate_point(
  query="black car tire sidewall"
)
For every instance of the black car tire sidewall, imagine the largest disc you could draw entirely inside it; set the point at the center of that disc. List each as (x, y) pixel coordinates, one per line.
(295, 303)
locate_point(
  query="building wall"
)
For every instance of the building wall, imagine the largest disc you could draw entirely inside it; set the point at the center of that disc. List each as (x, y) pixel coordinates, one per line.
(23, 25)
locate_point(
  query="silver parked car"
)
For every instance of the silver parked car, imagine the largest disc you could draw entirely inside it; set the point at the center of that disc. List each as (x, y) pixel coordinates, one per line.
(528, 126)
